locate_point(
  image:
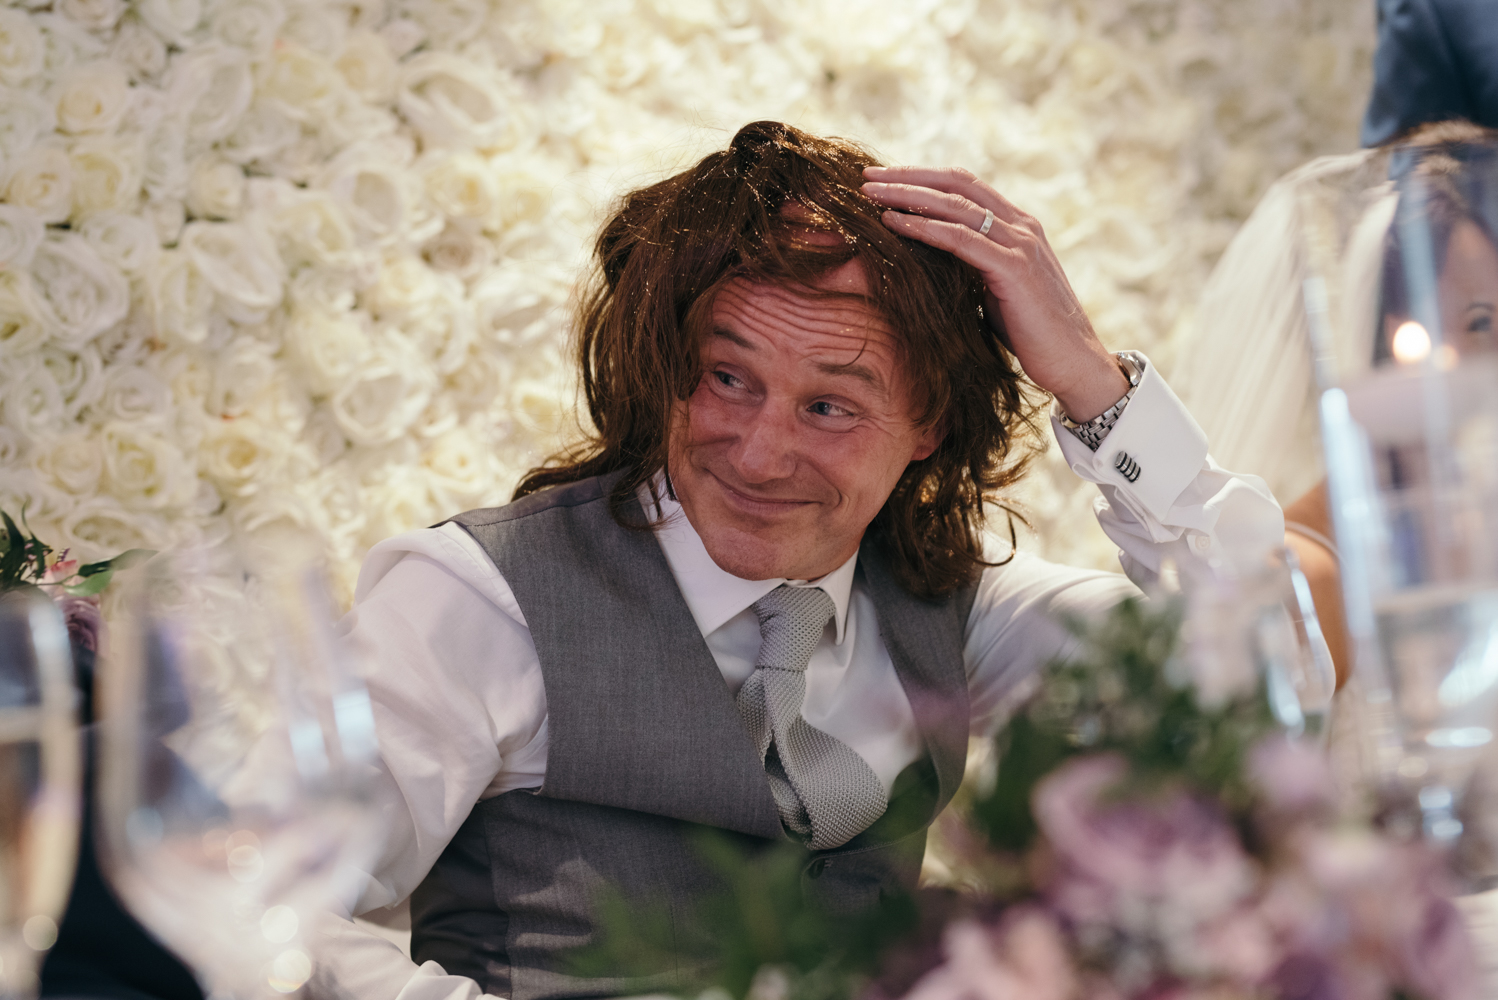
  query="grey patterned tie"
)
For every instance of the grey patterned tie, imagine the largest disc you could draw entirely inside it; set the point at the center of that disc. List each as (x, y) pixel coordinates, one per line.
(824, 790)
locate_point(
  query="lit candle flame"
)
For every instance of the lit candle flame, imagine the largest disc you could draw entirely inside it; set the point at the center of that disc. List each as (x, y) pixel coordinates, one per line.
(1411, 342)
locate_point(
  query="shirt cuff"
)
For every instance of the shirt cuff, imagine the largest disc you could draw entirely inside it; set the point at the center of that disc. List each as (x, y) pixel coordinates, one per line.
(1150, 456)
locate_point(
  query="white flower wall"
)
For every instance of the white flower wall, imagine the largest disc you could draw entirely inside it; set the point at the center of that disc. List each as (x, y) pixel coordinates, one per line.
(301, 268)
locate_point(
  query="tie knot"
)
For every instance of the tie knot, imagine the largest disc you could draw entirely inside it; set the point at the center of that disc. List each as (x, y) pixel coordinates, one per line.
(791, 620)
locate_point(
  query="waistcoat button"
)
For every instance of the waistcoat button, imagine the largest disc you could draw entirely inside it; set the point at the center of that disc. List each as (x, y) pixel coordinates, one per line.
(817, 867)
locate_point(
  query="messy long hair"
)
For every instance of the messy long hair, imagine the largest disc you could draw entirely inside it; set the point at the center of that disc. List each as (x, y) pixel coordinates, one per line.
(669, 247)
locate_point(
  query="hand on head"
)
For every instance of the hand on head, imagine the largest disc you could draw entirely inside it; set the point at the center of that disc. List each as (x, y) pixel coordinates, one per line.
(1042, 321)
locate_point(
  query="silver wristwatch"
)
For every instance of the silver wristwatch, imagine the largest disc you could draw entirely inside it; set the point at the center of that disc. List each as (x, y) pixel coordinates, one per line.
(1093, 431)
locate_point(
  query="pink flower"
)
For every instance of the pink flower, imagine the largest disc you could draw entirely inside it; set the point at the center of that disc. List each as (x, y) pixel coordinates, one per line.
(61, 570)
(1161, 865)
(83, 619)
(1293, 776)
(1024, 957)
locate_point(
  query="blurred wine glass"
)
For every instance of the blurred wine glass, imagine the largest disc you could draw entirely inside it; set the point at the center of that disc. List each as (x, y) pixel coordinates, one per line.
(237, 744)
(39, 783)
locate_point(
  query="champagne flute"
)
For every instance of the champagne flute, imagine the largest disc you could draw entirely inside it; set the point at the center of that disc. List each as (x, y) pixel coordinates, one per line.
(237, 747)
(40, 764)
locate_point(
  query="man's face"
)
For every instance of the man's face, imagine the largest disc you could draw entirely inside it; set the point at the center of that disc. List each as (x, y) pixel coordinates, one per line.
(797, 432)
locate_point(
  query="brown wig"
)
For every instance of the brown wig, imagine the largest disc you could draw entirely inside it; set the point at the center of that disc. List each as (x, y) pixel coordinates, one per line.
(668, 249)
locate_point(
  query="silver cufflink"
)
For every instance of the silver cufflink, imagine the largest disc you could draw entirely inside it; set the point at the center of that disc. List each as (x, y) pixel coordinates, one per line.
(1126, 466)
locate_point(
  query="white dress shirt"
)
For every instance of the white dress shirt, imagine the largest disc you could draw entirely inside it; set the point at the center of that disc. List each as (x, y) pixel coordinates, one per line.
(460, 704)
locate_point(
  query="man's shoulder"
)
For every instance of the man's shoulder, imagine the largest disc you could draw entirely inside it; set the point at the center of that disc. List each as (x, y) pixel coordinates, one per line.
(570, 495)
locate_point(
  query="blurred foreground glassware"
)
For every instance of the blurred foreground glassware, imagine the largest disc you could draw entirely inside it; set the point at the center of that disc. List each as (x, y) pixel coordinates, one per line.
(237, 744)
(1403, 279)
(40, 763)
(1259, 621)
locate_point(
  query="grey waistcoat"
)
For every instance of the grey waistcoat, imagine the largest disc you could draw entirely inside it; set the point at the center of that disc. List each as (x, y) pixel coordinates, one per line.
(645, 745)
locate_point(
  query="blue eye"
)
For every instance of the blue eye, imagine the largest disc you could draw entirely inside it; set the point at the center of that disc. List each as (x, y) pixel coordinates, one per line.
(826, 409)
(727, 380)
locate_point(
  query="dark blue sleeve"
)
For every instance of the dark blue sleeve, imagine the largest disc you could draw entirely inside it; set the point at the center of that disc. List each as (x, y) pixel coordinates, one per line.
(1436, 59)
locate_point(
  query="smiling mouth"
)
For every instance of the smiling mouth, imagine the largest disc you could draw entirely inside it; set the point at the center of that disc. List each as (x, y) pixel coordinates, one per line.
(753, 504)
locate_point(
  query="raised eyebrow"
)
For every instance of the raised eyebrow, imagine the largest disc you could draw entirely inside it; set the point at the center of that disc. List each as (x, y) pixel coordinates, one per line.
(855, 370)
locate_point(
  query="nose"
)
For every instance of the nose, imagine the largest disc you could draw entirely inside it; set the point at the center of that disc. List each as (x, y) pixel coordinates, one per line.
(765, 448)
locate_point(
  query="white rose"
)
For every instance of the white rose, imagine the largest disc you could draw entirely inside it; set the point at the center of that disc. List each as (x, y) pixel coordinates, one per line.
(460, 249)
(318, 26)
(240, 263)
(328, 347)
(480, 381)
(541, 406)
(451, 101)
(166, 160)
(139, 49)
(383, 398)
(107, 175)
(250, 24)
(11, 446)
(135, 394)
(215, 188)
(21, 231)
(313, 229)
(93, 97)
(240, 456)
(71, 462)
(211, 88)
(180, 297)
(323, 435)
(461, 185)
(462, 464)
(368, 67)
(79, 376)
(22, 489)
(41, 179)
(167, 216)
(23, 51)
(173, 20)
(263, 132)
(30, 400)
(22, 328)
(99, 527)
(143, 469)
(126, 241)
(517, 306)
(243, 374)
(374, 184)
(67, 44)
(403, 501)
(448, 23)
(403, 35)
(303, 83)
(24, 117)
(95, 15)
(79, 294)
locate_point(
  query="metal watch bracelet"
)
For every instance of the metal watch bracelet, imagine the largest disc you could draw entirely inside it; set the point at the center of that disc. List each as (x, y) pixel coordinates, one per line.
(1093, 431)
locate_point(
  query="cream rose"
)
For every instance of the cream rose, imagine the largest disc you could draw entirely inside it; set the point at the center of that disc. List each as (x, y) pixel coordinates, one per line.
(166, 160)
(303, 83)
(318, 27)
(41, 179)
(107, 175)
(462, 463)
(215, 188)
(99, 527)
(245, 378)
(461, 185)
(241, 456)
(24, 117)
(126, 241)
(312, 229)
(210, 89)
(263, 132)
(373, 182)
(249, 24)
(323, 435)
(460, 249)
(23, 51)
(79, 376)
(11, 446)
(479, 381)
(80, 296)
(22, 328)
(167, 217)
(21, 231)
(95, 15)
(179, 297)
(451, 101)
(93, 97)
(135, 394)
(173, 20)
(368, 67)
(448, 24)
(30, 400)
(327, 347)
(72, 462)
(144, 470)
(139, 49)
(382, 399)
(403, 35)
(240, 263)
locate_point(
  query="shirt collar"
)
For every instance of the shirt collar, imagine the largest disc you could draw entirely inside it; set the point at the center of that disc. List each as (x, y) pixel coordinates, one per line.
(714, 595)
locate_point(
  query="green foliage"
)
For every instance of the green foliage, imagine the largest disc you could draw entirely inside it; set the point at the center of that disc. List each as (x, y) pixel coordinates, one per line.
(1117, 693)
(760, 919)
(24, 562)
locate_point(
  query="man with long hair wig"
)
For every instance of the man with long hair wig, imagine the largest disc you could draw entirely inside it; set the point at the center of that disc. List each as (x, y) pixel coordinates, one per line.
(758, 597)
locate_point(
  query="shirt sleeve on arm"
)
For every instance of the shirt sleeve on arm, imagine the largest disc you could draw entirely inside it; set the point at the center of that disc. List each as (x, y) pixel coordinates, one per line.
(1163, 495)
(460, 713)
